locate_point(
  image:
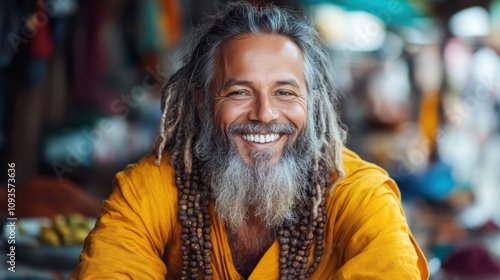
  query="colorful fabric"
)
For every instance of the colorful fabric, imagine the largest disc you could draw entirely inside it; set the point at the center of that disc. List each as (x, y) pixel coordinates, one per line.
(138, 235)
(42, 45)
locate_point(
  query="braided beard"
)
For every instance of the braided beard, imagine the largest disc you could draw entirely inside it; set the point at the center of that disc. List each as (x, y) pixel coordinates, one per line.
(270, 191)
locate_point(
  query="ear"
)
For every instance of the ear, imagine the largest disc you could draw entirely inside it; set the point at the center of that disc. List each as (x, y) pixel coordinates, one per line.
(199, 100)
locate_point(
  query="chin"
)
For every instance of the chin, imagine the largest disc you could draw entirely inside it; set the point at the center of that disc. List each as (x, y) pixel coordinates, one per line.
(267, 158)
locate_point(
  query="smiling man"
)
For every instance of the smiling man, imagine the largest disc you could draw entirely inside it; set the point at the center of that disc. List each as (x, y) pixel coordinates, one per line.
(249, 178)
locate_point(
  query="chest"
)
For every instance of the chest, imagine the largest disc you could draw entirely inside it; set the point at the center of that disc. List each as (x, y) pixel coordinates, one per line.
(248, 245)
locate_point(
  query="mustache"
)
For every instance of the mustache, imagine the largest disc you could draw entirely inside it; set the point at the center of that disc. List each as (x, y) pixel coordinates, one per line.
(258, 128)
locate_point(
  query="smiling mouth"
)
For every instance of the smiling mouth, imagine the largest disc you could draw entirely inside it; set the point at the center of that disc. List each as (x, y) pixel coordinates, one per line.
(261, 138)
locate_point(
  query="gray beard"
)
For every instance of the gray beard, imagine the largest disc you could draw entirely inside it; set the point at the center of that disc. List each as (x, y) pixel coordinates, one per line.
(269, 191)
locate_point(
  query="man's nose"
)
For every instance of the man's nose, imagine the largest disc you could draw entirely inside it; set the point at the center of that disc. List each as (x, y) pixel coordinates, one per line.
(264, 110)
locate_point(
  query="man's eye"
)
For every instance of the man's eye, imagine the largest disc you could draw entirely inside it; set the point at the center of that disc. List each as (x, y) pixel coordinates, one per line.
(284, 93)
(236, 93)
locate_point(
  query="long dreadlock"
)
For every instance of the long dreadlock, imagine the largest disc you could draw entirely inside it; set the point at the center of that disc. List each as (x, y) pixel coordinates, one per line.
(180, 124)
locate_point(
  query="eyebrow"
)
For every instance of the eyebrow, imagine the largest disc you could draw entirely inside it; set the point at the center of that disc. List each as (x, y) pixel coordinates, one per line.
(232, 82)
(291, 82)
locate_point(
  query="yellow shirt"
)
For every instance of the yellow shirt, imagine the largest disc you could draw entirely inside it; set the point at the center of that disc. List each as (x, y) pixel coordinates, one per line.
(137, 235)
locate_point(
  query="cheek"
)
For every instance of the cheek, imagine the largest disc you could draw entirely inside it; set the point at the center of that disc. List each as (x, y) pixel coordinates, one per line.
(297, 115)
(224, 115)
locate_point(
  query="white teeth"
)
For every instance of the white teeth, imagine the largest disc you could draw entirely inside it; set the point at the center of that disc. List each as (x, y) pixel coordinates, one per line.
(261, 138)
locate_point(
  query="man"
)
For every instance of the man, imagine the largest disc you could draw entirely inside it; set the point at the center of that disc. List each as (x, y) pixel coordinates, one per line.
(249, 178)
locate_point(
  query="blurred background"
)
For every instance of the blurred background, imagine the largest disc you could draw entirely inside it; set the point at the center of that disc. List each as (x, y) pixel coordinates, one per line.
(80, 85)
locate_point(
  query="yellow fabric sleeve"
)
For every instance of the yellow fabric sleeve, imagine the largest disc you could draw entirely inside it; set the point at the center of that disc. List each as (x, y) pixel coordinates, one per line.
(129, 238)
(367, 233)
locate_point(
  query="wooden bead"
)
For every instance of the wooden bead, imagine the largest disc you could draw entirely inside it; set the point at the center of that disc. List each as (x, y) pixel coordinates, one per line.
(195, 246)
(208, 260)
(310, 235)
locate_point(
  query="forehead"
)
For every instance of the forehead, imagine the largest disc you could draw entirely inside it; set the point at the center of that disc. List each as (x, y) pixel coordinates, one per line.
(261, 44)
(259, 54)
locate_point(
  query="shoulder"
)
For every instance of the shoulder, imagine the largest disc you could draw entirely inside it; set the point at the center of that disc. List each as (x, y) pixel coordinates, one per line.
(146, 166)
(362, 182)
(146, 190)
(356, 168)
(146, 171)
(362, 176)
(365, 220)
(363, 204)
(144, 180)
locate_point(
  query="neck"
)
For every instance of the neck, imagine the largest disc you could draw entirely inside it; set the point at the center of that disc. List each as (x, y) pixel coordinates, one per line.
(249, 243)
